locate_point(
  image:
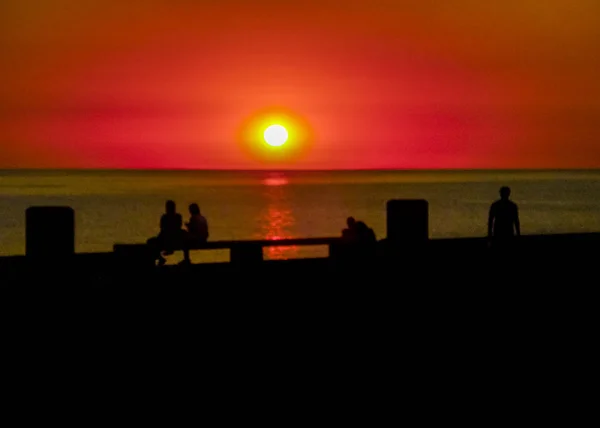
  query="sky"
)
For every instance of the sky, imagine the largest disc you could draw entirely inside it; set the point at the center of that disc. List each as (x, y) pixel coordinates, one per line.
(360, 84)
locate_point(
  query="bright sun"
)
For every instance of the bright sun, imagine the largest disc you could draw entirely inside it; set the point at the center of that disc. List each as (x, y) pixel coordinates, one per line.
(276, 135)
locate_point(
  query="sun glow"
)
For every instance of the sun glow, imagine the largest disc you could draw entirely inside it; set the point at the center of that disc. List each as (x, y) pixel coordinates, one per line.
(275, 135)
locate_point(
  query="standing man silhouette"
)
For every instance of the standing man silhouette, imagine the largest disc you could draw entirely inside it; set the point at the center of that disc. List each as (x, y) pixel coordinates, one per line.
(503, 220)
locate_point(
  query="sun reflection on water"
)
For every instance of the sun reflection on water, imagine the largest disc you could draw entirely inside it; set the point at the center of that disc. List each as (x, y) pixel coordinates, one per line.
(276, 180)
(276, 219)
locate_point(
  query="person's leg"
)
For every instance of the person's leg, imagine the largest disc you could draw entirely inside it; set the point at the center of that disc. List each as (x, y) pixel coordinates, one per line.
(169, 246)
(154, 244)
(186, 254)
(158, 245)
(185, 245)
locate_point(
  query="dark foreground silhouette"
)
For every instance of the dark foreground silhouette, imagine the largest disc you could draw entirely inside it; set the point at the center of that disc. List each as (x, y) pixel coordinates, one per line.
(447, 320)
(404, 258)
(172, 237)
(503, 220)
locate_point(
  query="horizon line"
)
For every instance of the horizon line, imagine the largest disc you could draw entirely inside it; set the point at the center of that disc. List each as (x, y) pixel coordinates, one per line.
(302, 170)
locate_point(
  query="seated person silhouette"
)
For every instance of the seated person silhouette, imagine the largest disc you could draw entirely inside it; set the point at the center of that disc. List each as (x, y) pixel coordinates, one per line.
(364, 234)
(197, 231)
(503, 219)
(360, 241)
(170, 236)
(349, 234)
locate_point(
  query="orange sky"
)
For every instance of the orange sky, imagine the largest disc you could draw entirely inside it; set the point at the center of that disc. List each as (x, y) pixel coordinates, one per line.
(377, 84)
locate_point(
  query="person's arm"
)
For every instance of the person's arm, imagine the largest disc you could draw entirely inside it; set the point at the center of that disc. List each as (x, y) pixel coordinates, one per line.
(517, 221)
(491, 216)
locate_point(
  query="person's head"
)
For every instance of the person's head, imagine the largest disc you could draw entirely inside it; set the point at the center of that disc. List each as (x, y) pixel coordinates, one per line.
(351, 222)
(504, 192)
(194, 209)
(170, 207)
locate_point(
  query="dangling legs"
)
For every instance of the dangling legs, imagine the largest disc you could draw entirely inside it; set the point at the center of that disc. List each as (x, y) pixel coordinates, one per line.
(185, 245)
(154, 243)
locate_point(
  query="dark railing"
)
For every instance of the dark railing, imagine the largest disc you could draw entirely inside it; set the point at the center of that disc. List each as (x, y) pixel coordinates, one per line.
(240, 251)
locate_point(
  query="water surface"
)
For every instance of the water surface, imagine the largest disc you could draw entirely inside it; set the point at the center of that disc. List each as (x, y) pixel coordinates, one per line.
(124, 206)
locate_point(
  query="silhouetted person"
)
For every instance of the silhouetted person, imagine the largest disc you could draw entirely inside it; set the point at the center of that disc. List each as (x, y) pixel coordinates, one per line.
(349, 233)
(197, 230)
(170, 236)
(358, 241)
(364, 245)
(503, 220)
(364, 234)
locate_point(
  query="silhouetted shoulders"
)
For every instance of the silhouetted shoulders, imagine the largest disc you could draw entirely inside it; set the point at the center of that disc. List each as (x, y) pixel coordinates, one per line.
(175, 218)
(502, 205)
(348, 234)
(512, 206)
(198, 227)
(171, 222)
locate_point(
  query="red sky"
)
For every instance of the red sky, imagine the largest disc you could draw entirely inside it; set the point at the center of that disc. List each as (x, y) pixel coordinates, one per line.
(378, 84)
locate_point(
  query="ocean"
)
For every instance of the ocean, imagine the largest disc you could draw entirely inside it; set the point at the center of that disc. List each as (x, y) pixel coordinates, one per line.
(125, 206)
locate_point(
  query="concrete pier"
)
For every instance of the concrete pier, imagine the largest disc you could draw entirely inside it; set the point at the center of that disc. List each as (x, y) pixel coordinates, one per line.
(407, 252)
(49, 232)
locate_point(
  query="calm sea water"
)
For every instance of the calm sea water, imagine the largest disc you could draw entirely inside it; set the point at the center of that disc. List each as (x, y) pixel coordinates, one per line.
(118, 206)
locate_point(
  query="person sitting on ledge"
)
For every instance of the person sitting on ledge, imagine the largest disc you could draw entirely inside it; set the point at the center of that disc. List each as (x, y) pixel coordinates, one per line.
(349, 234)
(170, 236)
(364, 234)
(197, 231)
(358, 241)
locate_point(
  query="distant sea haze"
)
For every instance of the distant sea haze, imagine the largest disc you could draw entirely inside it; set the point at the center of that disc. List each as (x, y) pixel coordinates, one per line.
(125, 206)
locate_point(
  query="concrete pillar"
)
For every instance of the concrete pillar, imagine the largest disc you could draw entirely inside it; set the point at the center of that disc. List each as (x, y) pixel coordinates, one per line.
(407, 221)
(49, 232)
